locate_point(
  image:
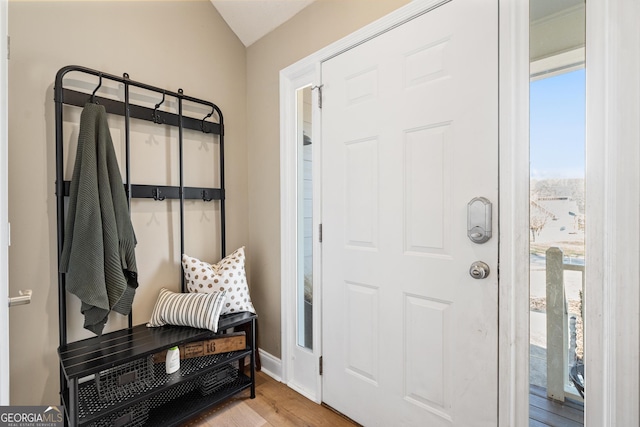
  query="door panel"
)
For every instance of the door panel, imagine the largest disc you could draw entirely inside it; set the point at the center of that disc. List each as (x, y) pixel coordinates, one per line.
(410, 127)
(427, 160)
(361, 193)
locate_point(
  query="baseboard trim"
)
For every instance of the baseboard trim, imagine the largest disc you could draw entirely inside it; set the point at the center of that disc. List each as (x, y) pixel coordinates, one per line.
(271, 365)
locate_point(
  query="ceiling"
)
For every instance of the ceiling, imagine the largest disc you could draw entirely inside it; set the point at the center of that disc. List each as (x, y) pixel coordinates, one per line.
(543, 8)
(252, 19)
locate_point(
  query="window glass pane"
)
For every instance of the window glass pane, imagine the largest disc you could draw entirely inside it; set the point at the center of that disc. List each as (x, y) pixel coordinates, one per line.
(305, 220)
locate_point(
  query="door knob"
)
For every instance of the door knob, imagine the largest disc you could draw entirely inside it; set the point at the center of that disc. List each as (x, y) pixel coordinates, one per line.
(479, 270)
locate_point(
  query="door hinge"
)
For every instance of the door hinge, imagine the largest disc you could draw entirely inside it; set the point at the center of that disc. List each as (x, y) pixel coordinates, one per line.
(320, 365)
(319, 87)
(320, 233)
(8, 48)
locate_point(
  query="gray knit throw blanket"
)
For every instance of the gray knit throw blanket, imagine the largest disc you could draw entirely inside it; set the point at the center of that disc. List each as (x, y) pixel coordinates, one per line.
(98, 254)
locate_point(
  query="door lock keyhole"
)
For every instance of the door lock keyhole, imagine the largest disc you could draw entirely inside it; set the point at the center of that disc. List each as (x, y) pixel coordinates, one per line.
(479, 270)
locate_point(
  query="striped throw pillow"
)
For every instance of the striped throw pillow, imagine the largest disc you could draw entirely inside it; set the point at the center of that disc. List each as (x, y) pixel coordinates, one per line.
(194, 310)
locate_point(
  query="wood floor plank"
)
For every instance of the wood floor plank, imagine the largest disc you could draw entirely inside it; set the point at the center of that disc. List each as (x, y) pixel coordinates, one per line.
(534, 423)
(542, 392)
(275, 405)
(558, 408)
(548, 412)
(551, 419)
(280, 405)
(235, 413)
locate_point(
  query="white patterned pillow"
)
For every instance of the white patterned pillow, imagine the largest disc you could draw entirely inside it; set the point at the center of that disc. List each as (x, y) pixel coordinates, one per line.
(183, 309)
(227, 275)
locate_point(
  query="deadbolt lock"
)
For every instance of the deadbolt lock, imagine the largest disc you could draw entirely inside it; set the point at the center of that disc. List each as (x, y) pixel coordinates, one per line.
(479, 220)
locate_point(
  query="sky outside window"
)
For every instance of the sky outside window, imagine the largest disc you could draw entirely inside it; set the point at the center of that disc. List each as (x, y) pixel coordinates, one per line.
(558, 126)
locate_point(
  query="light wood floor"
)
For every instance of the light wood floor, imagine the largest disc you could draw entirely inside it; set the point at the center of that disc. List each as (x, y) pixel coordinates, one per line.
(275, 405)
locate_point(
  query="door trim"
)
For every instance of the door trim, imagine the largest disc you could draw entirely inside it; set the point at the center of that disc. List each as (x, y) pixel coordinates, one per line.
(4, 210)
(513, 222)
(513, 383)
(297, 77)
(612, 297)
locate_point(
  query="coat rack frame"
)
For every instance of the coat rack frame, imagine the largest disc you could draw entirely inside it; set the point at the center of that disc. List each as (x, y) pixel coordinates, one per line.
(82, 359)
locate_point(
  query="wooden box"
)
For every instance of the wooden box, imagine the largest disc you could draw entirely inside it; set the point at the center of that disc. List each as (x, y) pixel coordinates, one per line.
(229, 342)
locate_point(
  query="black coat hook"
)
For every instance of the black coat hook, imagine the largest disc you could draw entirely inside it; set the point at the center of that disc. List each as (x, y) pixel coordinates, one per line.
(205, 196)
(205, 118)
(156, 116)
(157, 195)
(93, 95)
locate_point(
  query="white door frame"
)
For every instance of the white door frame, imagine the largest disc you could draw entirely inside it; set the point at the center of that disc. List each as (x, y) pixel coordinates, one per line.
(513, 220)
(4, 210)
(612, 295)
(304, 75)
(612, 300)
(514, 194)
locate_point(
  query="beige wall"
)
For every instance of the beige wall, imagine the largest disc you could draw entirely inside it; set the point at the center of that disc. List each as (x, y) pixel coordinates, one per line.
(317, 26)
(172, 44)
(169, 44)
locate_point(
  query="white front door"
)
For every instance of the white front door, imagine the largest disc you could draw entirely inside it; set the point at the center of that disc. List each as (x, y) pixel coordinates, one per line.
(409, 137)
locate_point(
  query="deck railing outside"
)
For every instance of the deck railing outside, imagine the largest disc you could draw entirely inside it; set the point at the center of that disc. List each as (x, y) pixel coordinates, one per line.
(558, 345)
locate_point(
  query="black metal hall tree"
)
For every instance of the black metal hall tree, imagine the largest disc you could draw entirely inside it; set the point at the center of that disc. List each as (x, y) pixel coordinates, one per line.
(157, 399)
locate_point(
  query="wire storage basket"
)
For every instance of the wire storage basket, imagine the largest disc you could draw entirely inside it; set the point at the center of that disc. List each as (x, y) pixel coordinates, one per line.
(216, 379)
(125, 380)
(133, 416)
